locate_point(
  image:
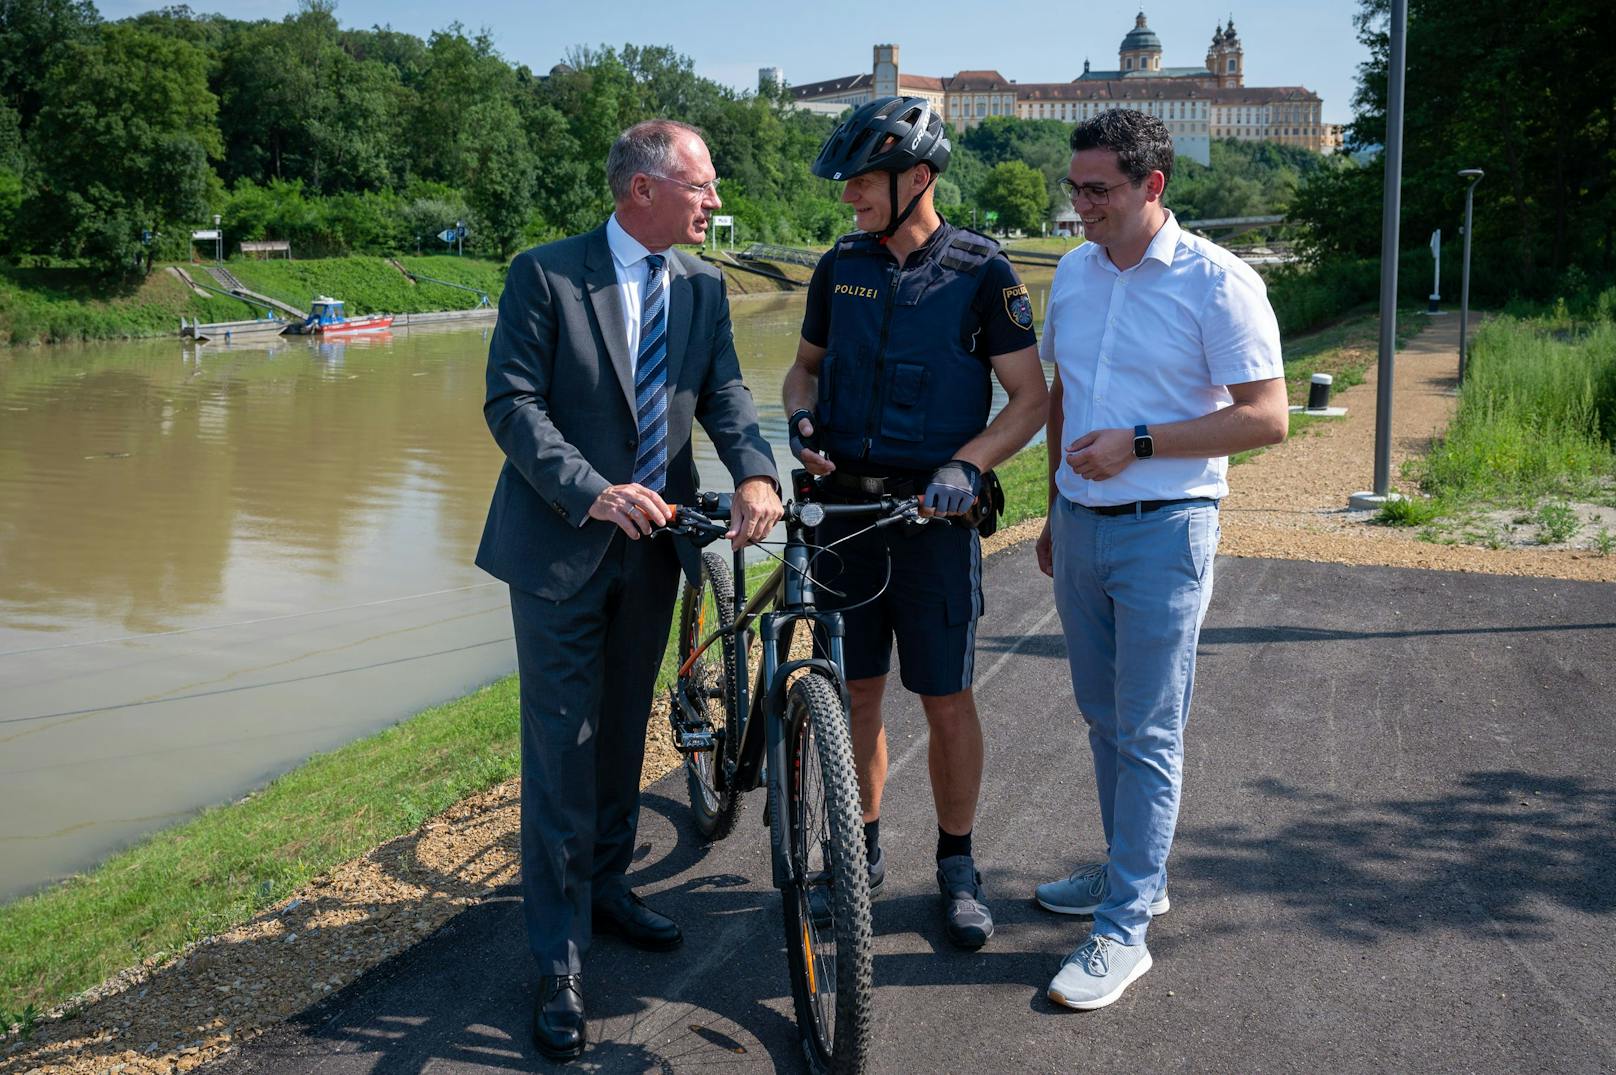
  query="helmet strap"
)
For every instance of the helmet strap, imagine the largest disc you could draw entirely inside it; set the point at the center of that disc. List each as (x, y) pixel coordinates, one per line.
(898, 218)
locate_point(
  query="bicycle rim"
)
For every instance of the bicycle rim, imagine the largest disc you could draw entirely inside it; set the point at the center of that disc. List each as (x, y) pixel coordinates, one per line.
(710, 687)
(831, 962)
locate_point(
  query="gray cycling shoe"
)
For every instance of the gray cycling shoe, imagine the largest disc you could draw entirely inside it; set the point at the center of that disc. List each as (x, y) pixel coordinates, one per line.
(966, 917)
(819, 907)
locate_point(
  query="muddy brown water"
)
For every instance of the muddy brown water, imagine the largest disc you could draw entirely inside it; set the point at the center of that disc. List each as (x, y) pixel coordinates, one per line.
(215, 562)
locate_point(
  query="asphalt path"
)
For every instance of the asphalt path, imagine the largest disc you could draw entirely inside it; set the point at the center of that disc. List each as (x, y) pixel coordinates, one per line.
(1395, 854)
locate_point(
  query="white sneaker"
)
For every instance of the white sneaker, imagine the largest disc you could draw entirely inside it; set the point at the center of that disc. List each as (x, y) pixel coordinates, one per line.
(1084, 891)
(1098, 973)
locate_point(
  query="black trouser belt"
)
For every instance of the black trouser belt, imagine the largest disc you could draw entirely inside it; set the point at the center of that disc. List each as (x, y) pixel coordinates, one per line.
(1139, 507)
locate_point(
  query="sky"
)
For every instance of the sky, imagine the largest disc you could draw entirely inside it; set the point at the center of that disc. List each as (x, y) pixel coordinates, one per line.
(1300, 42)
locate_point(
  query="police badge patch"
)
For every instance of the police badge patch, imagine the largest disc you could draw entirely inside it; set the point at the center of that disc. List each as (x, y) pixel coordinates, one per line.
(1018, 306)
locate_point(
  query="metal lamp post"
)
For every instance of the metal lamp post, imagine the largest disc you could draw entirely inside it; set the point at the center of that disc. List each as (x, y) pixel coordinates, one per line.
(1474, 175)
(218, 241)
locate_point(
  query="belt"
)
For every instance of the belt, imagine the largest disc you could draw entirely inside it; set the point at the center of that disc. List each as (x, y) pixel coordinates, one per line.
(873, 486)
(1139, 507)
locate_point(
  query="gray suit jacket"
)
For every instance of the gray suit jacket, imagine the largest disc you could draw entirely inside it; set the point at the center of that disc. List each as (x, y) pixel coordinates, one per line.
(560, 403)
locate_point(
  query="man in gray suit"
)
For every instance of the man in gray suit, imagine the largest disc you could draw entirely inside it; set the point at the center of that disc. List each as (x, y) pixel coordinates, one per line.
(609, 345)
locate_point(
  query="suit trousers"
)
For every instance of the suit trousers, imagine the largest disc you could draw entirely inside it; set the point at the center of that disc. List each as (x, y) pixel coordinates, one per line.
(1132, 591)
(588, 667)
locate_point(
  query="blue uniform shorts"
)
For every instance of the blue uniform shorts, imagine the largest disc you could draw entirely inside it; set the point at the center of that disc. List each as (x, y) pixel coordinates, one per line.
(930, 604)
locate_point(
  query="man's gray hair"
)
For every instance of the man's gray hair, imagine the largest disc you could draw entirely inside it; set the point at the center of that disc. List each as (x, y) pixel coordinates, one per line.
(645, 147)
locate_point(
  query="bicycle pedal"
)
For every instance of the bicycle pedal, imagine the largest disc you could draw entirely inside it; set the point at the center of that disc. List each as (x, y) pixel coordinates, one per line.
(693, 741)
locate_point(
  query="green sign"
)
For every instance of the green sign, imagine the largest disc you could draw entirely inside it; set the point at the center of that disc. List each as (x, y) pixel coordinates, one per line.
(991, 216)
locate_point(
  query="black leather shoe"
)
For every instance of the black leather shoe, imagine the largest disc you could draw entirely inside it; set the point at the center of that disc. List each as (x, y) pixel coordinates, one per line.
(559, 1030)
(628, 917)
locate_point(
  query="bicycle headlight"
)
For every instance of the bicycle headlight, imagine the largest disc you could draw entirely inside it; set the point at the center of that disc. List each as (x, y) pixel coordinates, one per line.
(811, 514)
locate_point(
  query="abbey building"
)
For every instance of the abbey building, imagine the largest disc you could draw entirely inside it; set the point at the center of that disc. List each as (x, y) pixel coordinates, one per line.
(1197, 103)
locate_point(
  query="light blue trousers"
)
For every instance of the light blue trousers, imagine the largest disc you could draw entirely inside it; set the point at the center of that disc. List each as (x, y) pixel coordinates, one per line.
(1132, 591)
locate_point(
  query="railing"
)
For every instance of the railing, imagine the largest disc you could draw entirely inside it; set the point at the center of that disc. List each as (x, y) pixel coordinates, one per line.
(792, 255)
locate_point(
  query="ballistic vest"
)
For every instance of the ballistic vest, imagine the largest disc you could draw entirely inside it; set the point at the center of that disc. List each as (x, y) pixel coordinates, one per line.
(901, 387)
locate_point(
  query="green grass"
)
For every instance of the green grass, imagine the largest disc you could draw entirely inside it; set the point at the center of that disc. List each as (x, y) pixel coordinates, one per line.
(67, 304)
(373, 285)
(1408, 511)
(1536, 416)
(230, 862)
(1052, 245)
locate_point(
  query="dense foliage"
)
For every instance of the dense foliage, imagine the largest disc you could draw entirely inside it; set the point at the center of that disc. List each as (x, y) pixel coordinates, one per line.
(345, 141)
(1527, 99)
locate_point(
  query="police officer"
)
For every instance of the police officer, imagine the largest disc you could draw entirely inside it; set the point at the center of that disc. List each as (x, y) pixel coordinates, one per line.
(908, 320)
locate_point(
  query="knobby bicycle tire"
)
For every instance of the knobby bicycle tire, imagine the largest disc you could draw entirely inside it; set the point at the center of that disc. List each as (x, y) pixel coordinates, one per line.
(826, 840)
(711, 687)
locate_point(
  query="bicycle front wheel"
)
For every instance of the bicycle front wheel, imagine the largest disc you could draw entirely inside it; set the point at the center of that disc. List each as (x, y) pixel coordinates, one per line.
(710, 687)
(827, 907)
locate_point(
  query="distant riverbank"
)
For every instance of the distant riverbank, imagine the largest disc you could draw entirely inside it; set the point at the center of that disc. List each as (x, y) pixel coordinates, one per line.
(67, 304)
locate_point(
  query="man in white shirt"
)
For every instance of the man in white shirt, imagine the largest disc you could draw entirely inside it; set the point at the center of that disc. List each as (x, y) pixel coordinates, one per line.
(1167, 360)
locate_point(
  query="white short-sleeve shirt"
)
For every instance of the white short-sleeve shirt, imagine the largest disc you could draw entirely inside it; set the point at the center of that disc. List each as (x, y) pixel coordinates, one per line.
(1154, 344)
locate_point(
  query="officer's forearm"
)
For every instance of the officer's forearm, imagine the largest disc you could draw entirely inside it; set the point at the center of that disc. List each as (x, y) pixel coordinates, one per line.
(1008, 433)
(799, 390)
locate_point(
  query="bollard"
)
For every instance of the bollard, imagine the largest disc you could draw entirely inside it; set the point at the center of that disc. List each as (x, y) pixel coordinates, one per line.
(1318, 392)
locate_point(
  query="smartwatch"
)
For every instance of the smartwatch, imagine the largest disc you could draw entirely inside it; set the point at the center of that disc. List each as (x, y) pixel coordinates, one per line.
(1143, 446)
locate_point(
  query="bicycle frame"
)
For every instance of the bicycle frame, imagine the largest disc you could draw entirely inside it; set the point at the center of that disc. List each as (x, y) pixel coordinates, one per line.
(760, 756)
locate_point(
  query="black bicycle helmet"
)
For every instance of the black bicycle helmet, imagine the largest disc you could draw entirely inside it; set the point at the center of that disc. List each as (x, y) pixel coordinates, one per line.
(889, 134)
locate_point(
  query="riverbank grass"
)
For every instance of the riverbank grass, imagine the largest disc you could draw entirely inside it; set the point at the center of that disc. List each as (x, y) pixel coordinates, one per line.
(227, 864)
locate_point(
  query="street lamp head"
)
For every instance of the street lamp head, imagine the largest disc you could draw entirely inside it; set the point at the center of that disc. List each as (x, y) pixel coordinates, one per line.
(1471, 173)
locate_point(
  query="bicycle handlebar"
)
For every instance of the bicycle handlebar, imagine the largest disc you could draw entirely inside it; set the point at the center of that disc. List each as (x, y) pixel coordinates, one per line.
(709, 516)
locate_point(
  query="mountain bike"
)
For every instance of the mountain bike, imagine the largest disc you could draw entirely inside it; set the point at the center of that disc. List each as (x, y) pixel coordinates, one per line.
(788, 730)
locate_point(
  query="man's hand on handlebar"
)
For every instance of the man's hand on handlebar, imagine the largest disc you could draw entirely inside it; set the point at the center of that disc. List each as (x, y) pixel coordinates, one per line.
(635, 509)
(755, 509)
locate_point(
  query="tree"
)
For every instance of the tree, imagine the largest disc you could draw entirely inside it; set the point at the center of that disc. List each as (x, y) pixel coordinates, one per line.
(35, 35)
(1528, 100)
(115, 162)
(1018, 194)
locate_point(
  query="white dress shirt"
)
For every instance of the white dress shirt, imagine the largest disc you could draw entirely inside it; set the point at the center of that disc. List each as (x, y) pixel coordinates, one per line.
(628, 258)
(1154, 344)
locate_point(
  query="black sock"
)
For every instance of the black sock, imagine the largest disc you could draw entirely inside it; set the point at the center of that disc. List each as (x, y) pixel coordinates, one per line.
(872, 838)
(949, 845)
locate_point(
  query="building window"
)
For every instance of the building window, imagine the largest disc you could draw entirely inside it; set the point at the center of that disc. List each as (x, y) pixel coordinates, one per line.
(1231, 66)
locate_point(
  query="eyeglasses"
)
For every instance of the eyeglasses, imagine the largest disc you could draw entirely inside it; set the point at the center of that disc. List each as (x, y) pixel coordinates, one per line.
(703, 189)
(1096, 193)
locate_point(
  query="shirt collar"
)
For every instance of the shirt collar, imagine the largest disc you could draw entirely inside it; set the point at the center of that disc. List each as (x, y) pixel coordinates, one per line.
(1165, 242)
(627, 251)
(1162, 246)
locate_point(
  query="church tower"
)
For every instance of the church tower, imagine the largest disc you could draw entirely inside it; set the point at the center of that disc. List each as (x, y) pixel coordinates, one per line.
(884, 75)
(1225, 57)
(1141, 50)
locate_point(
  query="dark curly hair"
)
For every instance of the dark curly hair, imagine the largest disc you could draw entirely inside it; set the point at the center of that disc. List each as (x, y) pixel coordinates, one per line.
(1140, 141)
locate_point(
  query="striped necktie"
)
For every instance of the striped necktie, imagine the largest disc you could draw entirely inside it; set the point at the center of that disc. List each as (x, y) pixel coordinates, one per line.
(651, 381)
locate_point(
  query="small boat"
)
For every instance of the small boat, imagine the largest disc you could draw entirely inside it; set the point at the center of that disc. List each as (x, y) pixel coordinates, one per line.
(326, 319)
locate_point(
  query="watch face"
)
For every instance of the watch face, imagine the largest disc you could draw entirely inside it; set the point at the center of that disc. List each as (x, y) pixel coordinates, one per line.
(1144, 447)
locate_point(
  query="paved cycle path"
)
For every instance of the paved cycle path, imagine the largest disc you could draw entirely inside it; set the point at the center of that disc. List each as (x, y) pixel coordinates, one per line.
(1397, 852)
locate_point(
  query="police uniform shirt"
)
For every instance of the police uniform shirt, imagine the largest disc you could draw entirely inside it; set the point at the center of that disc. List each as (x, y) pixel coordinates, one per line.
(998, 321)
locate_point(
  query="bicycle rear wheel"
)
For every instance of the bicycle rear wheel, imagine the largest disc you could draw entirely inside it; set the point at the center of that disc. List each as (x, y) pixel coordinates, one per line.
(710, 688)
(831, 962)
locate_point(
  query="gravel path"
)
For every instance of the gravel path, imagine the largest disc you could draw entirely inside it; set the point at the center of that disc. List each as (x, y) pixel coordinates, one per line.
(1288, 503)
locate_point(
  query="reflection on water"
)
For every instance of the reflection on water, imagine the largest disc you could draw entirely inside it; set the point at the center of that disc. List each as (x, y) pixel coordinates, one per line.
(216, 561)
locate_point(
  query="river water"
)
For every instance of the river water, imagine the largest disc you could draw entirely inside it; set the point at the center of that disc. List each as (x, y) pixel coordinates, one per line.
(215, 562)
